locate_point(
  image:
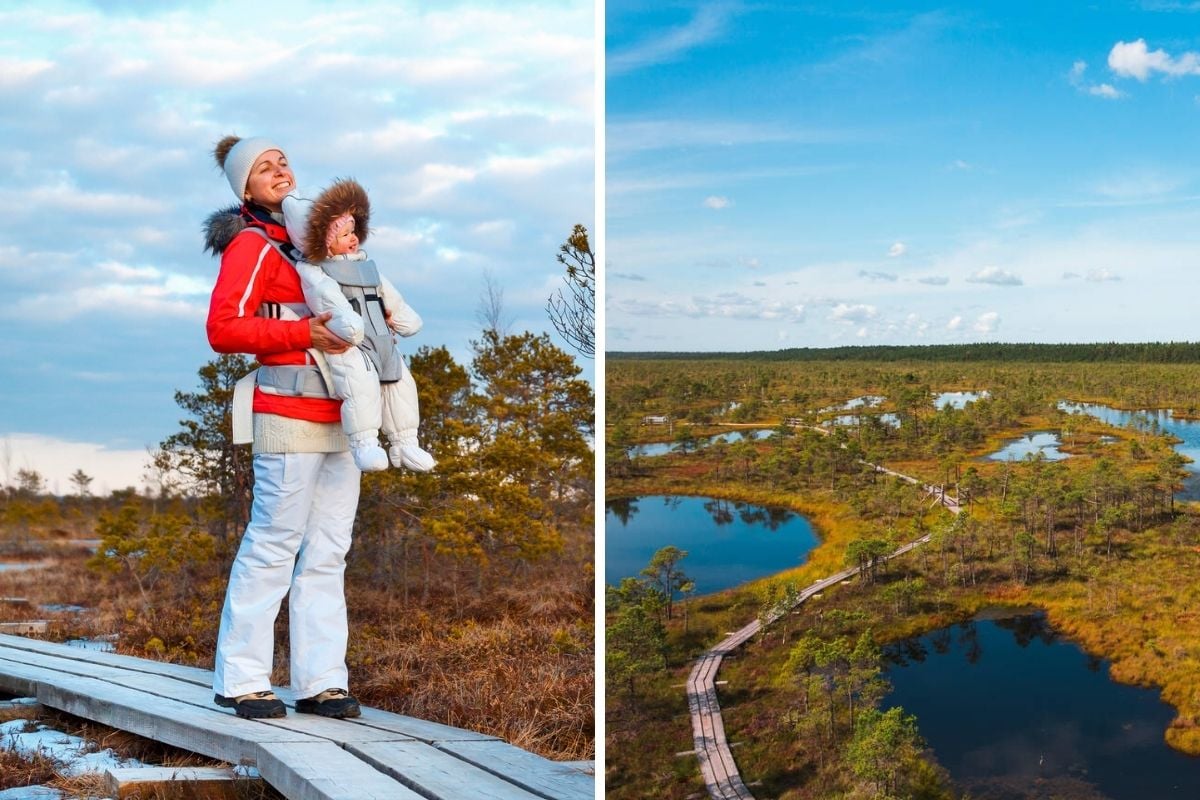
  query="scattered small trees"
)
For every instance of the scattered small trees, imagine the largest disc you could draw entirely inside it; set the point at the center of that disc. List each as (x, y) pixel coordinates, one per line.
(886, 751)
(82, 481)
(664, 573)
(147, 547)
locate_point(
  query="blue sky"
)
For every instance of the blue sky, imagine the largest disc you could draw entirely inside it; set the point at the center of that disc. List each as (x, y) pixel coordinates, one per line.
(825, 174)
(471, 124)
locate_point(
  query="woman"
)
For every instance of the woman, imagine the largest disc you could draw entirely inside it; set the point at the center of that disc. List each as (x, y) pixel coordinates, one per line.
(305, 482)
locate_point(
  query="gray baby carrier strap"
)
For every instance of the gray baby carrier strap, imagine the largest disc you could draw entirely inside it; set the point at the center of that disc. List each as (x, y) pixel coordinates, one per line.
(360, 283)
(292, 380)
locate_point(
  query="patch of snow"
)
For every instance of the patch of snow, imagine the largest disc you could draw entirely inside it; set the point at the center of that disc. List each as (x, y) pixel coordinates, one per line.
(75, 756)
(32, 793)
(99, 645)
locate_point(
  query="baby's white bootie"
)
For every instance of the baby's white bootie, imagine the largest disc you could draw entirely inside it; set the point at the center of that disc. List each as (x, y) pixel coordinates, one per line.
(369, 456)
(412, 457)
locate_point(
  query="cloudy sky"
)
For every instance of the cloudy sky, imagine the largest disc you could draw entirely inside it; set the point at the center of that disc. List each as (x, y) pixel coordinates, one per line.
(786, 174)
(471, 124)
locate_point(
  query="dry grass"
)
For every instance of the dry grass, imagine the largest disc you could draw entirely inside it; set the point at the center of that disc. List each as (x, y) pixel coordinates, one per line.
(515, 661)
(517, 664)
(16, 770)
(20, 770)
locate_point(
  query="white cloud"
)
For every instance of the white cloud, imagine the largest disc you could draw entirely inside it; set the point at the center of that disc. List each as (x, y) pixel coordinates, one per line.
(1135, 60)
(15, 71)
(626, 135)
(57, 460)
(954, 324)
(853, 312)
(959, 164)
(716, 202)
(1139, 185)
(532, 166)
(897, 249)
(934, 280)
(876, 275)
(726, 305)
(708, 24)
(170, 299)
(1105, 90)
(987, 322)
(914, 324)
(63, 195)
(995, 276)
(1102, 275)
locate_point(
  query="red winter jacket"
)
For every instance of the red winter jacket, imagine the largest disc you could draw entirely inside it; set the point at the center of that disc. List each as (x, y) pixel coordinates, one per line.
(253, 272)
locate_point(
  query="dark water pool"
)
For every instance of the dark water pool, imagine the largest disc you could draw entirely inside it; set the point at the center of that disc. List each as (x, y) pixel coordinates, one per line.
(728, 543)
(1013, 710)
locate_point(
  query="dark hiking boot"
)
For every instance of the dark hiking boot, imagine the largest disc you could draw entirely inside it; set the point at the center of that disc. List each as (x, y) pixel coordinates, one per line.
(256, 705)
(336, 703)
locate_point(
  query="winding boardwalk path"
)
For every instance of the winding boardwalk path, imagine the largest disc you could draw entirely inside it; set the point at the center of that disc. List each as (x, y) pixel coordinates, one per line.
(717, 765)
(379, 756)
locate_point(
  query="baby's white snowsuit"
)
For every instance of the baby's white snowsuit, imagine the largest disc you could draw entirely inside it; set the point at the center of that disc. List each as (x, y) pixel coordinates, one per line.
(369, 404)
(375, 386)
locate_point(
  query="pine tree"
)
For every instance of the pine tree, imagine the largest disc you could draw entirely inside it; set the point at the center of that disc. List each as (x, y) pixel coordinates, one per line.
(203, 453)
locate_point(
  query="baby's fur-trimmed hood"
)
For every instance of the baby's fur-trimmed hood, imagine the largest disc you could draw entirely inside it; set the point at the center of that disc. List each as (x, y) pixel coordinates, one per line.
(345, 196)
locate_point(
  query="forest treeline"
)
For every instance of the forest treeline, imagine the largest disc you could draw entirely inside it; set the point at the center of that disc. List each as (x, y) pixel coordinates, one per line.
(1030, 352)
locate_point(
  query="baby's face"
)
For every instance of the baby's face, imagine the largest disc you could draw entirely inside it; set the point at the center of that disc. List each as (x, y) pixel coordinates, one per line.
(345, 242)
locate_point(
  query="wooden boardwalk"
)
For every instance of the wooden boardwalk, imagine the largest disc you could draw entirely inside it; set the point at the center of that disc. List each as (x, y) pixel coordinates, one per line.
(717, 765)
(379, 756)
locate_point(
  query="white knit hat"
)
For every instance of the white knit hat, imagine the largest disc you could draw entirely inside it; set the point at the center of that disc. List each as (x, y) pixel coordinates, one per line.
(241, 158)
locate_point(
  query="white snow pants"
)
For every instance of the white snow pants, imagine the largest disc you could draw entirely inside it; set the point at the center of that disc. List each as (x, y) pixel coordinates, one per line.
(367, 405)
(297, 540)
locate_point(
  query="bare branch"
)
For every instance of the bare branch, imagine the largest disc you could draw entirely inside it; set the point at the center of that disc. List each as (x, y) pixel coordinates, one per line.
(573, 310)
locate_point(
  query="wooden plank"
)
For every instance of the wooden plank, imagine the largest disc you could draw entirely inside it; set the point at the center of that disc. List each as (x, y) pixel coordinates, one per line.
(193, 674)
(211, 732)
(18, 684)
(169, 688)
(374, 718)
(539, 775)
(184, 783)
(313, 757)
(420, 729)
(437, 775)
(324, 771)
(586, 767)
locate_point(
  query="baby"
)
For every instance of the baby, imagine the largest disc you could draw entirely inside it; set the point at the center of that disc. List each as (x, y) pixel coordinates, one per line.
(376, 388)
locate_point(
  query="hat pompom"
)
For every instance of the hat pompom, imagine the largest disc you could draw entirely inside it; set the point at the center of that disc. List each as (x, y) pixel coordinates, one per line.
(222, 148)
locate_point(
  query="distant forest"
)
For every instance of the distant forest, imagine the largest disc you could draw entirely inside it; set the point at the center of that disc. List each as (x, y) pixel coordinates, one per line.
(1142, 353)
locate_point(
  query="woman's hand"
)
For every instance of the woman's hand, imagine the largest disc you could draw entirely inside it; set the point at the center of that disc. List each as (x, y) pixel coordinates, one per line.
(324, 339)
